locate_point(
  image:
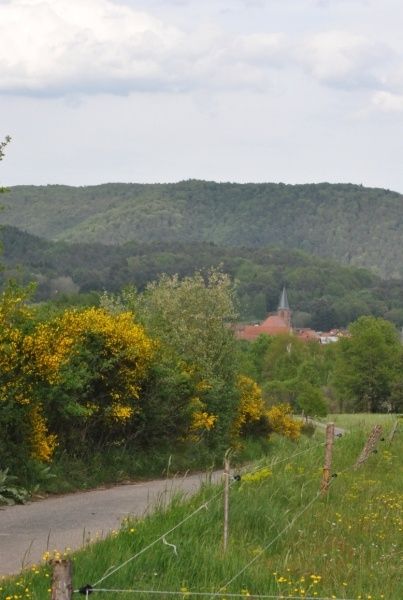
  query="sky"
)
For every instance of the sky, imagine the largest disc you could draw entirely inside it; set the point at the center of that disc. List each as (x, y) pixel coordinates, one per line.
(293, 91)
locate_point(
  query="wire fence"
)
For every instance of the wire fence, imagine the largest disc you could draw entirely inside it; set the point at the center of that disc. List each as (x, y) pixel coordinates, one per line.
(188, 594)
(204, 506)
(221, 592)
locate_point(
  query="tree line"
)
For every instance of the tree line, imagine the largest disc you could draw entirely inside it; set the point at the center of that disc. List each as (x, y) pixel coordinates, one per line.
(137, 373)
(323, 294)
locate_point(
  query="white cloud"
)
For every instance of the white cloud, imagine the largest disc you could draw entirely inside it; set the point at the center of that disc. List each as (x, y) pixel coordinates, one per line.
(56, 47)
(344, 59)
(388, 102)
(50, 46)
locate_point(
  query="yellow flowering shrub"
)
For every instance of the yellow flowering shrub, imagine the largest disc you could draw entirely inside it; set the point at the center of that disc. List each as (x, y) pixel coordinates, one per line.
(78, 375)
(252, 410)
(119, 412)
(42, 442)
(251, 405)
(280, 420)
(53, 343)
(201, 420)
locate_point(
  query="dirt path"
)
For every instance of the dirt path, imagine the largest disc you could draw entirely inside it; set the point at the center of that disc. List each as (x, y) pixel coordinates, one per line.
(27, 531)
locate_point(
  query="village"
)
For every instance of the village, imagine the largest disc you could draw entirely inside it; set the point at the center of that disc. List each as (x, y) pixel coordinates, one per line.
(280, 323)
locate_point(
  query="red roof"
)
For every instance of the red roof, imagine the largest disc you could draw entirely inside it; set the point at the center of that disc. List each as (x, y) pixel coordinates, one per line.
(308, 334)
(273, 325)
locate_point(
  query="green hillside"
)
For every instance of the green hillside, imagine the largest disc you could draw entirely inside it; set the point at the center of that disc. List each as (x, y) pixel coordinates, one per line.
(322, 293)
(348, 223)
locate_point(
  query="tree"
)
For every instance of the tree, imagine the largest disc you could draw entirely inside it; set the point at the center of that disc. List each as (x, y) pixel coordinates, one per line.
(3, 144)
(192, 317)
(311, 401)
(367, 365)
(197, 352)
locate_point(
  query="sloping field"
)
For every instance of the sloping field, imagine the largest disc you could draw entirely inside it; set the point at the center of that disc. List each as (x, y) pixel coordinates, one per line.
(285, 538)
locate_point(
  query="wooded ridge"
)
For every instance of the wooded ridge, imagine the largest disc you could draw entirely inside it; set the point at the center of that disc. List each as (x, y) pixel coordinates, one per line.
(322, 293)
(352, 224)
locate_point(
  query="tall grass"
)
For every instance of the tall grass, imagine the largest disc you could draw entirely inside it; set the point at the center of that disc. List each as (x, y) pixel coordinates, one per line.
(346, 545)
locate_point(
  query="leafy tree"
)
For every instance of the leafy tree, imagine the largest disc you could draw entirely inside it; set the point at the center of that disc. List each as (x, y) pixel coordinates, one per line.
(367, 365)
(310, 400)
(197, 353)
(3, 145)
(192, 317)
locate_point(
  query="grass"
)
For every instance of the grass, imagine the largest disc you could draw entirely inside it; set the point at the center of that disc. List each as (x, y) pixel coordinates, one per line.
(122, 464)
(362, 420)
(346, 545)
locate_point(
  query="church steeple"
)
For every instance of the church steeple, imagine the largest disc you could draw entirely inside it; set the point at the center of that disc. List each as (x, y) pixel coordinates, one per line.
(283, 303)
(283, 309)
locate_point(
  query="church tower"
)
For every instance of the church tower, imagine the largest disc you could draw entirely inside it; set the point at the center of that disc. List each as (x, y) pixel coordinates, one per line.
(283, 309)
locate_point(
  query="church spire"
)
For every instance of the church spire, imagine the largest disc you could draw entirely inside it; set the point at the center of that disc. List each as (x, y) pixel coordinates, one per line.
(283, 303)
(283, 309)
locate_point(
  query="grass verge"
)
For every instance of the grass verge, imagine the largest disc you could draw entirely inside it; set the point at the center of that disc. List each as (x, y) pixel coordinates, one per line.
(345, 545)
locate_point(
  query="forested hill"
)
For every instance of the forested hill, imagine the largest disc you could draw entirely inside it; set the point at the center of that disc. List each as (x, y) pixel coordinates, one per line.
(322, 293)
(349, 223)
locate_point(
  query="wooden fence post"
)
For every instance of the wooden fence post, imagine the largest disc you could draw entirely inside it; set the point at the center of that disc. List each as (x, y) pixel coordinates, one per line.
(226, 498)
(328, 458)
(369, 447)
(62, 587)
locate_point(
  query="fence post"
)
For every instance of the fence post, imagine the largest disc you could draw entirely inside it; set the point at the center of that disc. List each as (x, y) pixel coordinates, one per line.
(369, 447)
(226, 498)
(328, 458)
(62, 587)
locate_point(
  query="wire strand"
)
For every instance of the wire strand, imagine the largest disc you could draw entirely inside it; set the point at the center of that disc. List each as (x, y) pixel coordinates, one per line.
(126, 562)
(186, 593)
(110, 572)
(267, 546)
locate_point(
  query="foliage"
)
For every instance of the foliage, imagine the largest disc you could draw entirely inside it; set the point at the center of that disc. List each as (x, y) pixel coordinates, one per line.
(190, 319)
(10, 493)
(15, 387)
(254, 417)
(3, 145)
(349, 223)
(311, 401)
(368, 366)
(281, 421)
(94, 364)
(78, 380)
(75, 376)
(191, 316)
(251, 406)
(335, 296)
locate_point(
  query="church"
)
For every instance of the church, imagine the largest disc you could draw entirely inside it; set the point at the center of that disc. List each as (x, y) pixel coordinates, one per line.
(278, 323)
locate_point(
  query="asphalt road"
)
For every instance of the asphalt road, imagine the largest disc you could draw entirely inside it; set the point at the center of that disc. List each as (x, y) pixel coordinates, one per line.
(27, 531)
(338, 431)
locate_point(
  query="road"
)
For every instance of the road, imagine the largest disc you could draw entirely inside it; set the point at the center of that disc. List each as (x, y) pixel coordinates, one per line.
(27, 531)
(338, 431)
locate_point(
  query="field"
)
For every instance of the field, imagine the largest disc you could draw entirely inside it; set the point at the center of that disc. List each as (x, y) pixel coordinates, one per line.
(285, 539)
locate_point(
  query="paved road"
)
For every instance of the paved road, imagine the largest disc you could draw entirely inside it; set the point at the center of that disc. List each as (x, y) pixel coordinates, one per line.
(27, 531)
(339, 431)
